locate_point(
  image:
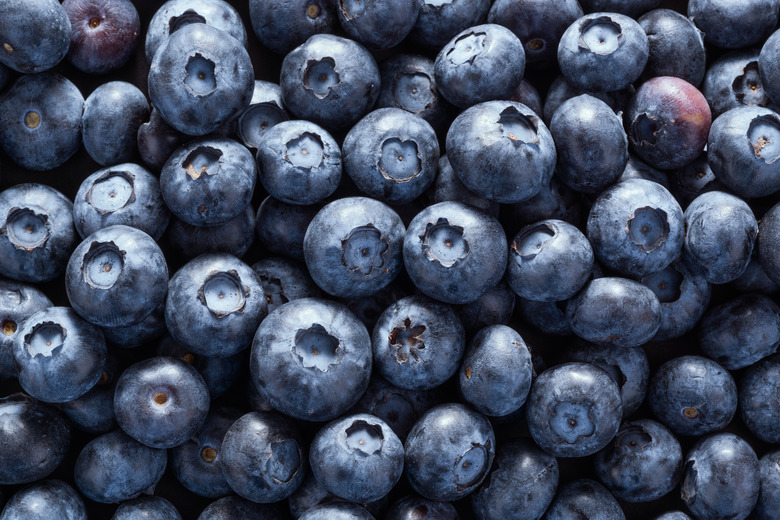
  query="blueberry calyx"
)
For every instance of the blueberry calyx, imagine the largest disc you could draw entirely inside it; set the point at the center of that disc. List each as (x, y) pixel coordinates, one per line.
(399, 160)
(466, 48)
(407, 341)
(200, 78)
(103, 264)
(364, 249)
(444, 243)
(321, 76)
(187, 17)
(518, 127)
(223, 293)
(471, 467)
(316, 348)
(364, 438)
(764, 137)
(45, 338)
(644, 129)
(112, 191)
(305, 151)
(203, 160)
(27, 229)
(648, 228)
(600, 36)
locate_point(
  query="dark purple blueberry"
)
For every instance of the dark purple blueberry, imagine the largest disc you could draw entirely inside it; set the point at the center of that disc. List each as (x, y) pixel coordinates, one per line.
(148, 508)
(734, 25)
(413, 507)
(18, 301)
(93, 412)
(676, 44)
(45, 499)
(584, 498)
(233, 237)
(547, 317)
(282, 25)
(378, 24)
(34, 34)
(692, 180)
(554, 201)
(284, 280)
(281, 227)
(157, 140)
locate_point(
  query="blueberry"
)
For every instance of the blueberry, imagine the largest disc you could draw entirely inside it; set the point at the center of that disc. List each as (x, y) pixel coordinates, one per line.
(219, 373)
(676, 45)
(495, 307)
(447, 186)
(755, 279)
(337, 511)
(769, 65)
(18, 301)
(284, 280)
(378, 24)
(554, 201)
(560, 90)
(547, 317)
(157, 140)
(412, 507)
(638, 169)
(264, 111)
(520, 486)
(40, 120)
(48, 499)
(281, 227)
(673, 515)
(768, 497)
(113, 468)
(585, 498)
(528, 95)
(311, 494)
(632, 8)
(35, 35)
(282, 25)
(692, 395)
(768, 250)
(757, 404)
(93, 412)
(151, 508)
(439, 21)
(231, 507)
(734, 25)
(693, 179)
(734, 80)
(721, 478)
(233, 237)
(449, 452)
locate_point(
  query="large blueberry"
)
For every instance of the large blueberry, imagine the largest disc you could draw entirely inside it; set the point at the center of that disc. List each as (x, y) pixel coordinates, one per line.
(48, 499)
(676, 45)
(439, 21)
(34, 34)
(584, 498)
(378, 24)
(282, 25)
(148, 508)
(734, 25)
(734, 80)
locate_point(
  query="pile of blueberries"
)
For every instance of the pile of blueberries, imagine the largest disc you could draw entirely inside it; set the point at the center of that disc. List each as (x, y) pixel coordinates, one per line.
(508, 260)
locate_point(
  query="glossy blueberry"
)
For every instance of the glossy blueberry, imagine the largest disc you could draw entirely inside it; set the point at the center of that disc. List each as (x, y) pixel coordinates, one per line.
(721, 478)
(337, 511)
(209, 181)
(495, 376)
(438, 21)
(602, 52)
(720, 231)
(481, 63)
(200, 78)
(40, 120)
(684, 296)
(329, 80)
(113, 468)
(614, 311)
(233, 237)
(264, 111)
(104, 34)
(642, 463)
(35, 35)
(113, 113)
(418, 343)
(768, 497)
(48, 499)
(281, 226)
(176, 14)
(676, 45)
(692, 395)
(495, 307)
(93, 412)
(34, 439)
(219, 373)
(123, 194)
(151, 508)
(501, 150)
(116, 277)
(454, 253)
(18, 301)
(585, 498)
(312, 359)
(573, 410)
(520, 486)
(447, 186)
(214, 305)
(58, 355)
(734, 80)
(733, 25)
(449, 452)
(157, 140)
(757, 405)
(284, 280)
(413, 507)
(282, 25)
(378, 24)
(263, 457)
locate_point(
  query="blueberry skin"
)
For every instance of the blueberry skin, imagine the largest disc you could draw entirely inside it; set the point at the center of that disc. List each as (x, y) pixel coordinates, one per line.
(113, 113)
(769, 494)
(721, 478)
(638, 169)
(740, 154)
(378, 24)
(673, 515)
(281, 226)
(591, 143)
(757, 405)
(40, 120)
(311, 494)
(161, 401)
(560, 90)
(585, 498)
(312, 358)
(413, 507)
(734, 80)
(337, 511)
(214, 305)
(104, 34)
(732, 25)
(768, 250)
(642, 463)
(48, 499)
(35, 34)
(233, 237)
(449, 452)
(18, 301)
(263, 457)
(197, 463)
(501, 150)
(676, 46)
(264, 111)
(602, 52)
(495, 376)
(539, 25)
(755, 279)
(34, 439)
(391, 155)
(418, 343)
(231, 507)
(528, 95)
(614, 311)
(481, 63)
(116, 277)
(495, 307)
(284, 280)
(667, 121)
(684, 296)
(151, 508)
(549, 261)
(58, 355)
(113, 467)
(632, 8)
(769, 66)
(197, 105)
(573, 410)
(219, 373)
(720, 232)
(692, 395)
(123, 194)
(437, 23)
(454, 253)
(520, 486)
(353, 247)
(554, 201)
(329, 80)
(157, 140)
(299, 162)
(741, 331)
(209, 181)
(692, 180)
(547, 317)
(357, 457)
(636, 227)
(176, 14)
(628, 367)
(93, 412)
(282, 25)
(447, 186)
